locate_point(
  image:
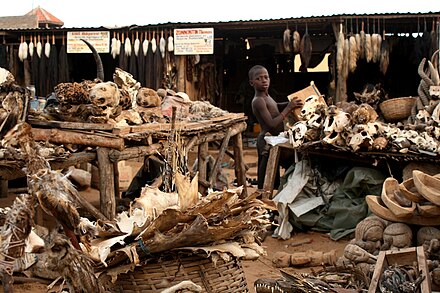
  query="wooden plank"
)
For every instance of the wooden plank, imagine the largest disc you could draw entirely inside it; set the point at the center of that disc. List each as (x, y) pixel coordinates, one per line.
(219, 159)
(71, 125)
(135, 152)
(71, 137)
(271, 169)
(106, 183)
(240, 168)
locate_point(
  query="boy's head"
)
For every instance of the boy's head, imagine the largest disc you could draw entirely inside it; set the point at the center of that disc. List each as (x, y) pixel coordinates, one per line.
(254, 70)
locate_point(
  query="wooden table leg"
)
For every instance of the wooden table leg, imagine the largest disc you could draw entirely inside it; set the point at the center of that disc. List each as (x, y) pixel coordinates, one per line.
(106, 183)
(202, 154)
(240, 167)
(218, 161)
(271, 170)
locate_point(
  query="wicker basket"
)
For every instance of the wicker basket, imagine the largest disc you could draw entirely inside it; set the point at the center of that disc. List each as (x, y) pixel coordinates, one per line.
(161, 273)
(397, 109)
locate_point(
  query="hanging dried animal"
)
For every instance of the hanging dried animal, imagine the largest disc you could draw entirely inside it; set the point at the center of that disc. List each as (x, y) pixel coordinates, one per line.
(31, 47)
(286, 40)
(47, 48)
(145, 45)
(153, 44)
(162, 45)
(170, 43)
(39, 47)
(114, 47)
(305, 51)
(296, 42)
(368, 48)
(384, 56)
(127, 46)
(353, 54)
(137, 44)
(340, 51)
(363, 41)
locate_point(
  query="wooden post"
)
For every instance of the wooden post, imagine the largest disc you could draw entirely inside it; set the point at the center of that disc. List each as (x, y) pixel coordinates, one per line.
(271, 170)
(240, 168)
(202, 154)
(116, 171)
(221, 154)
(106, 183)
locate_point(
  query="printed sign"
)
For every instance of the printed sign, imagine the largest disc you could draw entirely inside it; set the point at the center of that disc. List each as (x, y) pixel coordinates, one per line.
(99, 39)
(193, 41)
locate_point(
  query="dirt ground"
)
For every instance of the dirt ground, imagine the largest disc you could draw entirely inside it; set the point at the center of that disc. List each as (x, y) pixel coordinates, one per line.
(261, 268)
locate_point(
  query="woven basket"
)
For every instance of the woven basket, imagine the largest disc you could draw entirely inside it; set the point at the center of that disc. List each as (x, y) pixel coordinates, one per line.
(161, 273)
(397, 109)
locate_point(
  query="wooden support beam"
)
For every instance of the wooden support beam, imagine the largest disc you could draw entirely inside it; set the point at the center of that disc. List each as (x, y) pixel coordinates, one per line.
(106, 183)
(240, 168)
(271, 169)
(64, 137)
(135, 152)
(219, 159)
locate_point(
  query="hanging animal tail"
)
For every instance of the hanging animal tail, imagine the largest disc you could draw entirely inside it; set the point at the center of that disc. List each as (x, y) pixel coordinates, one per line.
(99, 66)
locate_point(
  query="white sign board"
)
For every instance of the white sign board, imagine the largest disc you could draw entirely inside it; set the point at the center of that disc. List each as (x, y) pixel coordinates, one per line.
(99, 39)
(193, 41)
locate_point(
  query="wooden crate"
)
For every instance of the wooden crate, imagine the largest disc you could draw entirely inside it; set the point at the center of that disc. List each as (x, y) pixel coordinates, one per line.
(404, 256)
(304, 94)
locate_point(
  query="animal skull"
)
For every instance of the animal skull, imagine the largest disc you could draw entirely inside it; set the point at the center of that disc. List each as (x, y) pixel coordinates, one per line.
(315, 121)
(147, 98)
(104, 95)
(297, 134)
(310, 105)
(361, 138)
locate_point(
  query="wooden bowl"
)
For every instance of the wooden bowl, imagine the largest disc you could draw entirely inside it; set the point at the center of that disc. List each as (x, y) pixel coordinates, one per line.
(409, 190)
(428, 186)
(389, 189)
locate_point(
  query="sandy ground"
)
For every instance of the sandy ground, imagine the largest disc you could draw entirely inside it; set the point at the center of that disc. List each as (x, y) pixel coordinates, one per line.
(261, 268)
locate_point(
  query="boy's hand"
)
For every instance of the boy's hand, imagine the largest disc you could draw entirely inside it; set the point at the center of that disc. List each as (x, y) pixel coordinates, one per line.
(295, 103)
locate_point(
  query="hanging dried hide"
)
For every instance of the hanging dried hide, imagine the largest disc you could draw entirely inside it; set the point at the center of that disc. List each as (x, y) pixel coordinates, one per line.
(286, 40)
(384, 57)
(346, 61)
(31, 47)
(340, 52)
(305, 52)
(357, 37)
(114, 47)
(363, 40)
(170, 44)
(296, 42)
(127, 46)
(368, 48)
(353, 54)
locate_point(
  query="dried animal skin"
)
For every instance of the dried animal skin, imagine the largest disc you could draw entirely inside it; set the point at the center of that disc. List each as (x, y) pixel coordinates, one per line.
(39, 49)
(353, 54)
(363, 44)
(127, 46)
(136, 46)
(170, 44)
(25, 50)
(368, 48)
(305, 52)
(187, 190)
(47, 49)
(358, 45)
(286, 40)
(340, 53)
(114, 48)
(345, 65)
(384, 57)
(296, 42)
(31, 48)
(162, 45)
(145, 47)
(153, 45)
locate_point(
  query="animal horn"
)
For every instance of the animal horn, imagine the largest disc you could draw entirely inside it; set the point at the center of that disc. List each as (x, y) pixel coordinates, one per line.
(99, 66)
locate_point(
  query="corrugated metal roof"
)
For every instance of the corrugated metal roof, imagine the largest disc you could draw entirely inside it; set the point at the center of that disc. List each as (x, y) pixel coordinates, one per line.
(18, 22)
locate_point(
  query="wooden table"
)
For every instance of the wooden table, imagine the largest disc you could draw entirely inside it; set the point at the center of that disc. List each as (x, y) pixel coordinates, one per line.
(110, 145)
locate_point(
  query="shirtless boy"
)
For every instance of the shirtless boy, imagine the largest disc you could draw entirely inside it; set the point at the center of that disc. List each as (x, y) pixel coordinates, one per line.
(269, 113)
